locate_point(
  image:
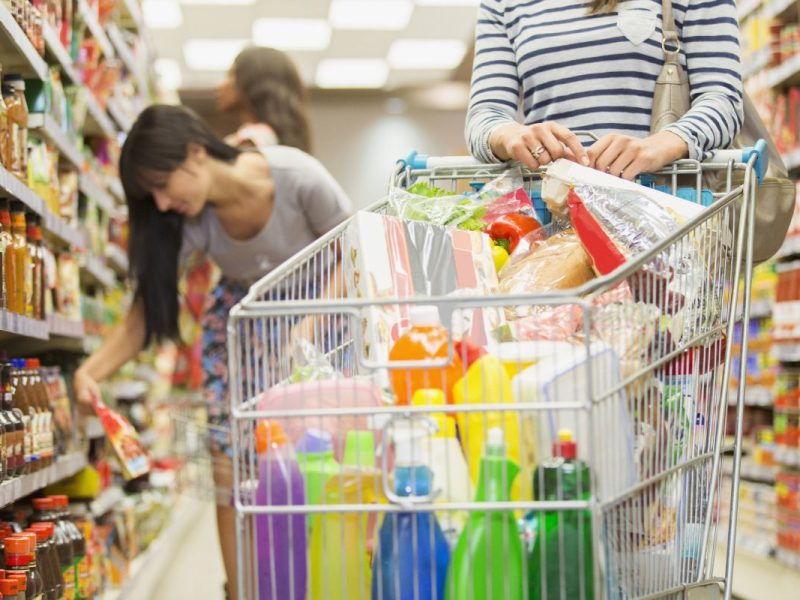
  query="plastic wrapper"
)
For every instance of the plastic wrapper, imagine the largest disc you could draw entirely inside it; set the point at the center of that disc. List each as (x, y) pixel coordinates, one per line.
(308, 363)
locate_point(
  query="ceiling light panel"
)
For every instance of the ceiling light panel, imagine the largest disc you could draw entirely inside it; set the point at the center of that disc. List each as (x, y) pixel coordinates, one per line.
(292, 34)
(212, 55)
(162, 14)
(385, 15)
(426, 54)
(352, 73)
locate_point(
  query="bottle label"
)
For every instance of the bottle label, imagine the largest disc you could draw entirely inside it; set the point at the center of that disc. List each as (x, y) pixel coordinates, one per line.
(69, 582)
(83, 577)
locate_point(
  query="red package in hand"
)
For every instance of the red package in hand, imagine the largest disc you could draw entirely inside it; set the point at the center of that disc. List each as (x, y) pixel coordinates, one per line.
(130, 451)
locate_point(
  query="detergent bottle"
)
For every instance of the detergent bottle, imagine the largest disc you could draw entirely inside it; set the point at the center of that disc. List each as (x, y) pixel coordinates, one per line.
(488, 561)
(412, 554)
(487, 382)
(316, 461)
(561, 535)
(447, 463)
(425, 340)
(340, 566)
(281, 539)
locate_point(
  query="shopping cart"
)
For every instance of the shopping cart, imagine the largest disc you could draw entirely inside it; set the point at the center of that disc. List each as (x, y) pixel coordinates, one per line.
(644, 395)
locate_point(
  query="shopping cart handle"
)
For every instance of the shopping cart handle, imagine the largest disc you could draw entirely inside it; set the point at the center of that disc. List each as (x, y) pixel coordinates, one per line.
(418, 162)
(743, 155)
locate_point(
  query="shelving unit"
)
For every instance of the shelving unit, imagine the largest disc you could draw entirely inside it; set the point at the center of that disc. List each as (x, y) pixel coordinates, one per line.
(93, 191)
(17, 51)
(46, 126)
(21, 487)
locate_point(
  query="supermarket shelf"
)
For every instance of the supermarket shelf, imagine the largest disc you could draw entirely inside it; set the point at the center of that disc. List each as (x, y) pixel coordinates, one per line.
(787, 456)
(12, 186)
(57, 50)
(19, 325)
(107, 499)
(787, 352)
(777, 8)
(755, 395)
(788, 410)
(97, 31)
(148, 568)
(123, 120)
(98, 272)
(790, 247)
(117, 259)
(62, 230)
(757, 62)
(786, 73)
(126, 55)
(115, 187)
(761, 309)
(13, 490)
(756, 576)
(791, 159)
(98, 120)
(47, 127)
(131, 13)
(96, 193)
(64, 327)
(18, 52)
(746, 8)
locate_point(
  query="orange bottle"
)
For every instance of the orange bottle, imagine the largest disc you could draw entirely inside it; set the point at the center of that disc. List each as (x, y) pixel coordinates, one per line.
(426, 340)
(19, 235)
(9, 269)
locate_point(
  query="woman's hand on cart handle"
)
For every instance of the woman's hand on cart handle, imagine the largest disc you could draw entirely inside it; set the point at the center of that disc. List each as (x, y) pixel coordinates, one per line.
(536, 145)
(627, 157)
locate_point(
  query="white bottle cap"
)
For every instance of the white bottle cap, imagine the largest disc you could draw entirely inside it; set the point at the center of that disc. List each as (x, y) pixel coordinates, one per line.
(496, 439)
(424, 315)
(411, 443)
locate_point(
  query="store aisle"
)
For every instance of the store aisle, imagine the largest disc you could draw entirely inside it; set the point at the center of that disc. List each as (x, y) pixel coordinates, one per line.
(196, 569)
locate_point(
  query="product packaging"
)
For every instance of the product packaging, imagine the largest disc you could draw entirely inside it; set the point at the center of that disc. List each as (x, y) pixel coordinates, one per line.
(124, 440)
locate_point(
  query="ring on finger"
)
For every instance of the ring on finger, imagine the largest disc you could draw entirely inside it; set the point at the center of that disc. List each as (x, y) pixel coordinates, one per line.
(538, 152)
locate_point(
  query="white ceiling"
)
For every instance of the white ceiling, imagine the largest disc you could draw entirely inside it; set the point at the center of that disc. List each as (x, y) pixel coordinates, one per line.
(227, 20)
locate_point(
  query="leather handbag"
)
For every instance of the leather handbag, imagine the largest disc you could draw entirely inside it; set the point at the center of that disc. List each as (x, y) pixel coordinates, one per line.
(775, 194)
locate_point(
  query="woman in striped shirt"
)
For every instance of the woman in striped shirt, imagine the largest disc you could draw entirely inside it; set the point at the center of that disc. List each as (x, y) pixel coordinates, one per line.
(591, 65)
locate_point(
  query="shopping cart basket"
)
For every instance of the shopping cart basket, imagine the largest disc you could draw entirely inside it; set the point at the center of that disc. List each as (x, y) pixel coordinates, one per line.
(643, 393)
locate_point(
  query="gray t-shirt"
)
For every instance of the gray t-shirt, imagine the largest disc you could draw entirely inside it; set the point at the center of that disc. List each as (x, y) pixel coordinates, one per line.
(307, 203)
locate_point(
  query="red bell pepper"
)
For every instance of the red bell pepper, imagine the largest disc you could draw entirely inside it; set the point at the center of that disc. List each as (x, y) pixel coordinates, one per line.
(512, 228)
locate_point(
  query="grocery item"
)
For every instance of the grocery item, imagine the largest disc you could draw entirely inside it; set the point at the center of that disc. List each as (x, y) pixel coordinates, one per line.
(22, 406)
(500, 256)
(124, 440)
(72, 530)
(426, 340)
(48, 563)
(488, 559)
(487, 382)
(336, 574)
(18, 121)
(281, 539)
(412, 554)
(508, 230)
(561, 560)
(15, 450)
(21, 257)
(5, 134)
(68, 291)
(35, 293)
(45, 513)
(317, 464)
(7, 259)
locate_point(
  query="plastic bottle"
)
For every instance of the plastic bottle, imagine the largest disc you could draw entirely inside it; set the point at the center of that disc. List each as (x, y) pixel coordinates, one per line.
(21, 406)
(316, 461)
(487, 382)
(488, 559)
(425, 340)
(412, 555)
(447, 463)
(18, 121)
(20, 244)
(35, 294)
(42, 399)
(566, 534)
(39, 584)
(80, 561)
(16, 452)
(52, 588)
(9, 268)
(47, 534)
(19, 560)
(281, 539)
(340, 566)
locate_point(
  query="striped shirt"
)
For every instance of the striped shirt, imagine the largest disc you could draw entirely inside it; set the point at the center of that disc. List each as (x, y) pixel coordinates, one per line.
(550, 60)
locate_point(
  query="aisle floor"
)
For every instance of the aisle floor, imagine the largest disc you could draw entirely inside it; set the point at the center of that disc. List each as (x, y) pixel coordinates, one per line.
(196, 570)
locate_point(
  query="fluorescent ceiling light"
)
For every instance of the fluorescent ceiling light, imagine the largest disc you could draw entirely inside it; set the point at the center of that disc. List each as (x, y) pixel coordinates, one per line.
(162, 14)
(387, 15)
(352, 73)
(169, 73)
(449, 3)
(212, 55)
(292, 34)
(426, 54)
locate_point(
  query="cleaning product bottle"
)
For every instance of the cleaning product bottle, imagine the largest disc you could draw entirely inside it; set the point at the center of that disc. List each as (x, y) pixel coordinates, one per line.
(488, 559)
(340, 567)
(487, 382)
(412, 555)
(447, 463)
(562, 535)
(315, 458)
(426, 340)
(281, 539)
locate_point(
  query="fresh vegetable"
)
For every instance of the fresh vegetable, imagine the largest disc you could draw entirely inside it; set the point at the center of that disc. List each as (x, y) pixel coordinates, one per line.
(422, 188)
(450, 211)
(500, 256)
(512, 227)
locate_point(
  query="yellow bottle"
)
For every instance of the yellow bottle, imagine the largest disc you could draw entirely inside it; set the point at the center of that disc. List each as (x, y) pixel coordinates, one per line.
(487, 382)
(340, 566)
(19, 235)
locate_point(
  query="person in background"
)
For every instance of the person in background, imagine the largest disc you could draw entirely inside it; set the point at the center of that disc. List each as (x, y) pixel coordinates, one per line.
(591, 65)
(265, 92)
(249, 211)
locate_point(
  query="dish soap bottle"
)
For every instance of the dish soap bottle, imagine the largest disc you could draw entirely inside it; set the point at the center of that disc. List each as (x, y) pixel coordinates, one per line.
(426, 340)
(316, 461)
(489, 559)
(412, 555)
(565, 534)
(281, 539)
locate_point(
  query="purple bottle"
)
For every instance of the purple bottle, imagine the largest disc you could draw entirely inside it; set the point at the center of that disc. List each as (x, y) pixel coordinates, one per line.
(281, 539)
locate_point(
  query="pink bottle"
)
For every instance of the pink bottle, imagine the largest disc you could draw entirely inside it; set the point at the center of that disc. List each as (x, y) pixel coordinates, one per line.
(281, 539)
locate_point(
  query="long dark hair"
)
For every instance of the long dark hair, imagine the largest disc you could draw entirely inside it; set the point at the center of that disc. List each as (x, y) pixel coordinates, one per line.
(271, 88)
(157, 145)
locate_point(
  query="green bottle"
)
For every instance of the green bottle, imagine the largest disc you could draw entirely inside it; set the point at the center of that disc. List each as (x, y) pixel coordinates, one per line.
(488, 561)
(315, 457)
(566, 534)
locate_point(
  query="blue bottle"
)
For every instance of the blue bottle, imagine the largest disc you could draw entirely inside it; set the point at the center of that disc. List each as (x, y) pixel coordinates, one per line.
(412, 555)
